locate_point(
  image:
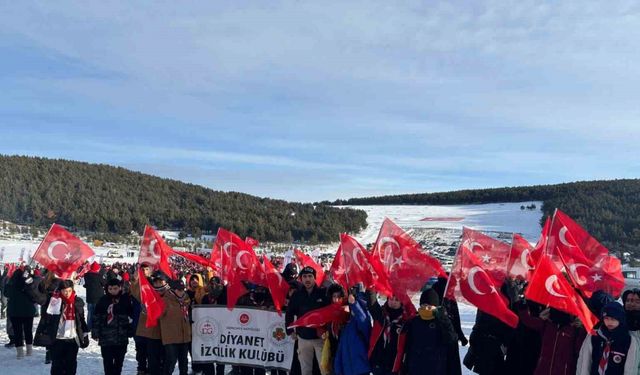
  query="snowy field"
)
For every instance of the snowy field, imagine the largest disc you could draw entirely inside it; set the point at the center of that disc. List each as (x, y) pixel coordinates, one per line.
(505, 217)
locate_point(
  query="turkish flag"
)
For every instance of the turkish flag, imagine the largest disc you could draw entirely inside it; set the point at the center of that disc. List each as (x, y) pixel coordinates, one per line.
(470, 282)
(306, 261)
(61, 252)
(337, 269)
(402, 259)
(251, 241)
(549, 287)
(153, 303)
(541, 246)
(333, 313)
(493, 253)
(221, 252)
(521, 265)
(588, 262)
(155, 252)
(358, 268)
(276, 284)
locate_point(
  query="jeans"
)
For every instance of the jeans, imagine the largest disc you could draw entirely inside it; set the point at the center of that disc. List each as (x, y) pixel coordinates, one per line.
(90, 308)
(141, 353)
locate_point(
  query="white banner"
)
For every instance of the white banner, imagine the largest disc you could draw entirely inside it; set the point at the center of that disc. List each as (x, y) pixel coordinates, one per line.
(242, 336)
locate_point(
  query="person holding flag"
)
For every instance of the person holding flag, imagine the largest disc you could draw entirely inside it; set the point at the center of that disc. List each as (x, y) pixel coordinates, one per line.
(309, 298)
(386, 345)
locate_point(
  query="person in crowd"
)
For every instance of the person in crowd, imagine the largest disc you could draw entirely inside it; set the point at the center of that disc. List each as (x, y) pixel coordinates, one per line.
(4, 301)
(196, 289)
(94, 283)
(631, 301)
(151, 336)
(352, 354)
(139, 341)
(65, 326)
(386, 346)
(488, 345)
(429, 335)
(22, 294)
(332, 331)
(612, 350)
(562, 335)
(112, 326)
(451, 309)
(175, 328)
(290, 272)
(309, 298)
(216, 294)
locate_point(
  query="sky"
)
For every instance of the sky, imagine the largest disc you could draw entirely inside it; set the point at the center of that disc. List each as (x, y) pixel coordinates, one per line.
(310, 100)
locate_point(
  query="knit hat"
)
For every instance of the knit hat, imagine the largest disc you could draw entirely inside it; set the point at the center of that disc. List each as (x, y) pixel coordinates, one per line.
(616, 311)
(114, 281)
(95, 267)
(308, 270)
(429, 297)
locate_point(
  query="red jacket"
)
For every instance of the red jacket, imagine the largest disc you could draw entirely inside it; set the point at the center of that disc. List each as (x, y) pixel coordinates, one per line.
(560, 345)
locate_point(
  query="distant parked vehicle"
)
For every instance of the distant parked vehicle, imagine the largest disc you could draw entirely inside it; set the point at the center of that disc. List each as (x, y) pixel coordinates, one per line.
(114, 254)
(631, 277)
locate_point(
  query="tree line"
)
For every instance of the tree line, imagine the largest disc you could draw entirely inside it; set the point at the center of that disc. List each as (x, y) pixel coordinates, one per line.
(106, 199)
(609, 210)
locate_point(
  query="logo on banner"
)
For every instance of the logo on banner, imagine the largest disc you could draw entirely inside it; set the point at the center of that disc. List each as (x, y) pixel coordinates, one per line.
(244, 318)
(278, 334)
(207, 329)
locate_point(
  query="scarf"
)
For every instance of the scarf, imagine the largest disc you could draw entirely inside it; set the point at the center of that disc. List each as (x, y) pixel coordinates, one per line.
(426, 314)
(184, 306)
(604, 359)
(392, 318)
(110, 315)
(69, 312)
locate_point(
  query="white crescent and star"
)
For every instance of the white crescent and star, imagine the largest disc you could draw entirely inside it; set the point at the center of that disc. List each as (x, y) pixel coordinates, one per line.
(238, 256)
(52, 245)
(562, 235)
(549, 284)
(574, 271)
(226, 247)
(152, 249)
(472, 282)
(354, 256)
(524, 259)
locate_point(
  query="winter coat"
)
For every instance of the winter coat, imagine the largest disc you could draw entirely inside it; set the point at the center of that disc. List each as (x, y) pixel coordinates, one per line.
(300, 303)
(352, 354)
(21, 298)
(387, 355)
(118, 331)
(560, 345)
(196, 294)
(48, 326)
(175, 327)
(623, 357)
(427, 344)
(488, 338)
(141, 328)
(94, 283)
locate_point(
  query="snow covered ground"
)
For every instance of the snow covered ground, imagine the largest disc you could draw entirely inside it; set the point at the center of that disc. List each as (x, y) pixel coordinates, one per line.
(507, 217)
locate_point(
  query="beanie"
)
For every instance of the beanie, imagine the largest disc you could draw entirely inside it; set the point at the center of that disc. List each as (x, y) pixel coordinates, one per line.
(308, 270)
(429, 297)
(616, 311)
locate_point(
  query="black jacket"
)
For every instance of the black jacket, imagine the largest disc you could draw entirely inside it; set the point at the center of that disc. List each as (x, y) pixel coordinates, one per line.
(22, 297)
(48, 326)
(302, 302)
(94, 283)
(118, 331)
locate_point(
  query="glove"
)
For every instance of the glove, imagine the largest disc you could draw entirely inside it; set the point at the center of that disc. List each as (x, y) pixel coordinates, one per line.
(464, 341)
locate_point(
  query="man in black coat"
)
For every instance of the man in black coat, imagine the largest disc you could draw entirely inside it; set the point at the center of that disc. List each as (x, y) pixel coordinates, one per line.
(310, 297)
(94, 283)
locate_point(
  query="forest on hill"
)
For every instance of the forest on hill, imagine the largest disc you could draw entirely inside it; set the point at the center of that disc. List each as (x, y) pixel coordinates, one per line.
(106, 199)
(609, 210)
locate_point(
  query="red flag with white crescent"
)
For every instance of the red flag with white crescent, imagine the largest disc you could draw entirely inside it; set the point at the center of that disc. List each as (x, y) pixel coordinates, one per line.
(493, 253)
(549, 287)
(61, 252)
(155, 252)
(221, 255)
(521, 265)
(588, 263)
(306, 261)
(403, 260)
(470, 282)
(153, 304)
(358, 267)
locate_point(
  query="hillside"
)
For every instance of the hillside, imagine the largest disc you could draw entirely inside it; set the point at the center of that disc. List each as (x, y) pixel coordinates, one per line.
(107, 199)
(610, 210)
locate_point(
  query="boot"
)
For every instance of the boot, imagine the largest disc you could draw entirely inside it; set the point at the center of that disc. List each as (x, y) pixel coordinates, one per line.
(20, 352)
(47, 357)
(29, 350)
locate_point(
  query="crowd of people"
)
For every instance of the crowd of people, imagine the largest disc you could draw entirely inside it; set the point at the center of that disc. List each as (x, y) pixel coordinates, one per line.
(382, 335)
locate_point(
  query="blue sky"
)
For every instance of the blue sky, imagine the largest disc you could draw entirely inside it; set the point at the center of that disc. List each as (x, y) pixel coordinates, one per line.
(308, 101)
